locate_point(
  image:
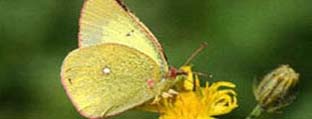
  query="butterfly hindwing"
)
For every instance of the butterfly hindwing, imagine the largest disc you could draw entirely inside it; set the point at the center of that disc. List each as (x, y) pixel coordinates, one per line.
(107, 79)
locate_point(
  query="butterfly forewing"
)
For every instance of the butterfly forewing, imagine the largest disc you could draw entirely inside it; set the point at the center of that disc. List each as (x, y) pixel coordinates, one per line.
(108, 21)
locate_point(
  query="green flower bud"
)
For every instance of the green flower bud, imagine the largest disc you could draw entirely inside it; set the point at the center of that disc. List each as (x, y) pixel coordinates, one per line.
(276, 90)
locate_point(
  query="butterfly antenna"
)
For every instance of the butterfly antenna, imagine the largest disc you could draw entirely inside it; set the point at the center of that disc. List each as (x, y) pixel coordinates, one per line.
(195, 53)
(207, 75)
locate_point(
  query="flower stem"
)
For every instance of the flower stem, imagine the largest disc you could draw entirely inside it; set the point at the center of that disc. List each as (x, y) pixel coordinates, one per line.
(256, 112)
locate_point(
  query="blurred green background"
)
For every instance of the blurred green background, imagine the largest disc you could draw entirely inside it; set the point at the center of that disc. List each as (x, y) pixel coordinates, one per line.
(247, 39)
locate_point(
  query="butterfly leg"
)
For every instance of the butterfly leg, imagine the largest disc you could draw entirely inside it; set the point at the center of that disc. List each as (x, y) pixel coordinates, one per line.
(156, 100)
(173, 92)
(170, 94)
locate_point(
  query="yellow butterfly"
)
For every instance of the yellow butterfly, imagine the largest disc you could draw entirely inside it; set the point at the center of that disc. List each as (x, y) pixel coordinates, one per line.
(119, 63)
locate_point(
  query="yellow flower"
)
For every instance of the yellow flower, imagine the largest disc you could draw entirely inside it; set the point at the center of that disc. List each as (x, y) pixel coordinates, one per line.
(195, 102)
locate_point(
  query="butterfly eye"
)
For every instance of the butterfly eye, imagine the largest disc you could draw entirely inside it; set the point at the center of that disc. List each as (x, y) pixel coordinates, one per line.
(106, 70)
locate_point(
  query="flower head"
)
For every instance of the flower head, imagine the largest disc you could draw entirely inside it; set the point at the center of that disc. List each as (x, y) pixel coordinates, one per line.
(196, 102)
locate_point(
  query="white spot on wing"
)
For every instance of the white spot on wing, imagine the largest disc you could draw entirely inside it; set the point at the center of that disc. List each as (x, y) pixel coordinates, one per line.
(106, 70)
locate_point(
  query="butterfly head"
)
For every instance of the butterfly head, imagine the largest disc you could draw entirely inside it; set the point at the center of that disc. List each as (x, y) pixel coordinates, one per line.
(174, 73)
